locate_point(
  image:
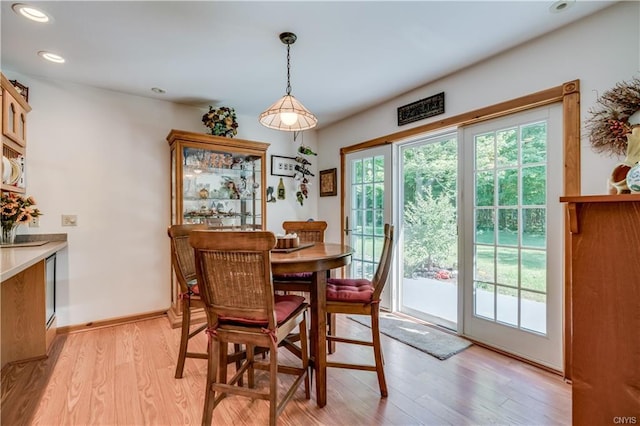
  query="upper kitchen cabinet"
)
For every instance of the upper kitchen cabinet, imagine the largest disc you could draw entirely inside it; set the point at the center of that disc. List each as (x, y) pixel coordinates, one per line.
(14, 137)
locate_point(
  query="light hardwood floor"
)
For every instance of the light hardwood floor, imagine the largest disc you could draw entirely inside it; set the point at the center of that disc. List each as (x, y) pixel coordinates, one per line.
(123, 375)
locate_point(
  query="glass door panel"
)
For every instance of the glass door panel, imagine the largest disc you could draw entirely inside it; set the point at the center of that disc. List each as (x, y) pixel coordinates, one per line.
(368, 205)
(429, 247)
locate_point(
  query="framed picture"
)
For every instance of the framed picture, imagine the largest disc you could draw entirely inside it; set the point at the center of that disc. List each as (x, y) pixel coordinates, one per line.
(328, 185)
(283, 166)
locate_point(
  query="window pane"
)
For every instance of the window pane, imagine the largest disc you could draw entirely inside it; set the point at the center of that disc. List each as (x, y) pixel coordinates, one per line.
(378, 201)
(534, 143)
(507, 266)
(534, 185)
(485, 226)
(378, 172)
(367, 170)
(507, 305)
(357, 172)
(508, 227)
(484, 150)
(357, 243)
(534, 227)
(484, 189)
(357, 216)
(368, 222)
(507, 147)
(534, 270)
(368, 196)
(508, 187)
(533, 308)
(484, 300)
(484, 264)
(358, 197)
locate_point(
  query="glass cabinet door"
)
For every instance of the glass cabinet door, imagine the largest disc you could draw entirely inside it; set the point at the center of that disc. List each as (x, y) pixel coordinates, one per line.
(221, 189)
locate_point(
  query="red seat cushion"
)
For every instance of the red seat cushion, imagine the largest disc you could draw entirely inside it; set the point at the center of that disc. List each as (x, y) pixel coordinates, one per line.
(349, 290)
(284, 306)
(297, 276)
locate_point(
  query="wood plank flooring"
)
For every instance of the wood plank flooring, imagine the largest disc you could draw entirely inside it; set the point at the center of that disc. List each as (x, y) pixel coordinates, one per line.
(123, 375)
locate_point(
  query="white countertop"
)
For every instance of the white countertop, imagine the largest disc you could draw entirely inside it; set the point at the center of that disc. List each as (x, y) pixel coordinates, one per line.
(17, 259)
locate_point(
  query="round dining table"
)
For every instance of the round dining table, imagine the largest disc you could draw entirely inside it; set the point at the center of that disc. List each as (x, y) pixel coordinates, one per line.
(317, 259)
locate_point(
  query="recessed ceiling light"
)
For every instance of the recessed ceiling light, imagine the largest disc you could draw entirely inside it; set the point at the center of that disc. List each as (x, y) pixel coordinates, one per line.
(51, 57)
(561, 6)
(30, 12)
(158, 90)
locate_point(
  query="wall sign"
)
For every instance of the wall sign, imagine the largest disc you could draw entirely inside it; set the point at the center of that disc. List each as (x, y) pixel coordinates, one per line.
(418, 110)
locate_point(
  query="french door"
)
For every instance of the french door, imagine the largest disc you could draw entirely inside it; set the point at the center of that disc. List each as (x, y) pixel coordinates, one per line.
(513, 234)
(367, 208)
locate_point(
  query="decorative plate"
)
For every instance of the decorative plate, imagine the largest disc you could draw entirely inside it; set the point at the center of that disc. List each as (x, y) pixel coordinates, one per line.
(16, 171)
(6, 169)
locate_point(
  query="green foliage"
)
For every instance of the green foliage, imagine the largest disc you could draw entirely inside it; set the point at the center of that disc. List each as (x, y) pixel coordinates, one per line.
(430, 232)
(430, 178)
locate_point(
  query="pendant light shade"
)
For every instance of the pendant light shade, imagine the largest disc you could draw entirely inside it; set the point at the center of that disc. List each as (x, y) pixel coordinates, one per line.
(287, 113)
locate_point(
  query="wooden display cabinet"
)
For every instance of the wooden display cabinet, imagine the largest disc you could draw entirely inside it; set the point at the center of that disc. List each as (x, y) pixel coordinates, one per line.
(605, 296)
(218, 181)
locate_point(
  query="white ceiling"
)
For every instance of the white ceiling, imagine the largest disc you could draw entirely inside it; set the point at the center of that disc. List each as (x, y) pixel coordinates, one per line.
(349, 56)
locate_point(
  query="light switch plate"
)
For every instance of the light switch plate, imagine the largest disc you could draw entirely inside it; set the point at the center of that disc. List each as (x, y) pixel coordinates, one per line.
(69, 220)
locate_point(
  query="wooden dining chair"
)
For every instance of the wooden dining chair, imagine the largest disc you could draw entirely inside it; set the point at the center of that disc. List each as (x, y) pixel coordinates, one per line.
(308, 232)
(184, 266)
(234, 275)
(362, 297)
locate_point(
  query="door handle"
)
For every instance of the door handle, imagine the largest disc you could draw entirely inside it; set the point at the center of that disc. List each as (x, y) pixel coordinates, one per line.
(346, 224)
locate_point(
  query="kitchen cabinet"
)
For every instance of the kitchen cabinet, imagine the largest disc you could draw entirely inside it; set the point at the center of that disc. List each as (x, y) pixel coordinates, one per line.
(28, 320)
(14, 137)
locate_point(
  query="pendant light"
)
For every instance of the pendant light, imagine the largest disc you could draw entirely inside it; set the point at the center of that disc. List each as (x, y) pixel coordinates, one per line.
(287, 113)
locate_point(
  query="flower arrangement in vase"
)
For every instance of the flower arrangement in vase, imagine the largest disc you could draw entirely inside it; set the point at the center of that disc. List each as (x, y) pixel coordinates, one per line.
(15, 210)
(221, 121)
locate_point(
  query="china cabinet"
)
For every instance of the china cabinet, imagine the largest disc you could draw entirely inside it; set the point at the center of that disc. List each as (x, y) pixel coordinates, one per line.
(217, 181)
(605, 299)
(14, 137)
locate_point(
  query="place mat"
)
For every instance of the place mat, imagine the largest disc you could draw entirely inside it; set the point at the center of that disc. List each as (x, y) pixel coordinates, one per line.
(427, 339)
(290, 249)
(26, 244)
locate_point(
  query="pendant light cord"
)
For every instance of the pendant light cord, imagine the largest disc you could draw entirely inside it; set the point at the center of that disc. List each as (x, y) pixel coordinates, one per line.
(288, 70)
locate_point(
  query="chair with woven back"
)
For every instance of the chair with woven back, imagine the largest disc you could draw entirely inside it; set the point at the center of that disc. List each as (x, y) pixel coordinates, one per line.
(308, 232)
(234, 276)
(362, 297)
(184, 266)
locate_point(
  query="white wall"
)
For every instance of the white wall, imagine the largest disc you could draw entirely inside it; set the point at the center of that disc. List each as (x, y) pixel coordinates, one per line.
(600, 51)
(103, 156)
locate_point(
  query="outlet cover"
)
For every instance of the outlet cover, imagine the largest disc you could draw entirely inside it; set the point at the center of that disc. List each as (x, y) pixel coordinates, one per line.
(69, 220)
(35, 222)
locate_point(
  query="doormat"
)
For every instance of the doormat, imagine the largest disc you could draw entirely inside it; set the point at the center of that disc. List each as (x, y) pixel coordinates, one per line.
(422, 337)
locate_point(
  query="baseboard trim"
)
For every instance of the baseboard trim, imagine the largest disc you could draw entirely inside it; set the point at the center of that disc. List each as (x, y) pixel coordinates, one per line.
(110, 322)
